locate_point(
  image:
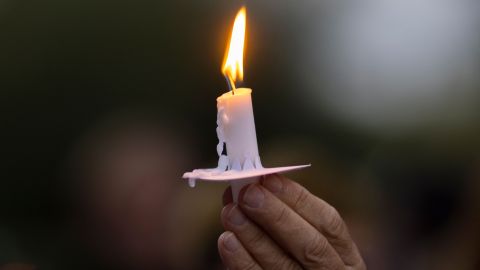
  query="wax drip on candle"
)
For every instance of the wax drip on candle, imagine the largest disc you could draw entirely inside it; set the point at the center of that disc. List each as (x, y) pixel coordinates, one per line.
(250, 159)
(222, 159)
(226, 165)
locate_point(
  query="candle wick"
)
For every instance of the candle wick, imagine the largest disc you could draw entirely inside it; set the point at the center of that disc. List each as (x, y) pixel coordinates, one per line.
(231, 84)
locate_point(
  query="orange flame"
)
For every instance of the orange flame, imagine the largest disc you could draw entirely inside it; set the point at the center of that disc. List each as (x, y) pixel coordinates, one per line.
(233, 62)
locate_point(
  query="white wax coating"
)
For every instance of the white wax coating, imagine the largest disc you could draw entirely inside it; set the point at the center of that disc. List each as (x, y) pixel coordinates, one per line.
(238, 127)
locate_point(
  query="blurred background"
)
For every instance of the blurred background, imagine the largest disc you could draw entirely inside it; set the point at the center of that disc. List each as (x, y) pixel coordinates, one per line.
(106, 103)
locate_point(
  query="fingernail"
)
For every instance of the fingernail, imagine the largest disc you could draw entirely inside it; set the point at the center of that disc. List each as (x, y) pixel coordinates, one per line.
(253, 196)
(273, 183)
(236, 217)
(230, 242)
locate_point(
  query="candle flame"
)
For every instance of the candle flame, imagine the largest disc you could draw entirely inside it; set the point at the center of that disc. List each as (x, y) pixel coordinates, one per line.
(233, 62)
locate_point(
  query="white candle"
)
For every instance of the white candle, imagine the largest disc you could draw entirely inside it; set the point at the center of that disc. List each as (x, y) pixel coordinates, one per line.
(238, 126)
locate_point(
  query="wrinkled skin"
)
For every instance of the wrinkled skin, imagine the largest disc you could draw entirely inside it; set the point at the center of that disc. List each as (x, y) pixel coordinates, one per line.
(278, 224)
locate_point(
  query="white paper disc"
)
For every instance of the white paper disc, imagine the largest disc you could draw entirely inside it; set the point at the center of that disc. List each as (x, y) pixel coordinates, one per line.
(216, 175)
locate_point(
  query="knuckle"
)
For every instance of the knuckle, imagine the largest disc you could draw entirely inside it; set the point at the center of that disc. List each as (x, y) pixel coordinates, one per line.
(315, 251)
(301, 199)
(255, 239)
(334, 223)
(281, 217)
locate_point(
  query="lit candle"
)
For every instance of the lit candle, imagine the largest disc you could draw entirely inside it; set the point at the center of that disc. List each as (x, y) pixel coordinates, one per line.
(236, 125)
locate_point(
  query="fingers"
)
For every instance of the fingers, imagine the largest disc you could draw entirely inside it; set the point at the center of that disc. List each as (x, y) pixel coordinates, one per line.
(288, 229)
(234, 255)
(262, 248)
(318, 213)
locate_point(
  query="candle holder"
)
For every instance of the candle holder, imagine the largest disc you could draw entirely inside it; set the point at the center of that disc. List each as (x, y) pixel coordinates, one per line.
(236, 178)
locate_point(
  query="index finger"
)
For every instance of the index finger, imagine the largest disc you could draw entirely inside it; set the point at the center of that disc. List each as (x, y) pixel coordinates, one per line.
(317, 212)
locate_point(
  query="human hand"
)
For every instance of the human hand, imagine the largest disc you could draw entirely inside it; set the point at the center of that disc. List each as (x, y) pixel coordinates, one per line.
(278, 224)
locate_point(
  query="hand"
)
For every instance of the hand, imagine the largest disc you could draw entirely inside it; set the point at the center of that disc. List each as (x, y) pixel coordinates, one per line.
(278, 224)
